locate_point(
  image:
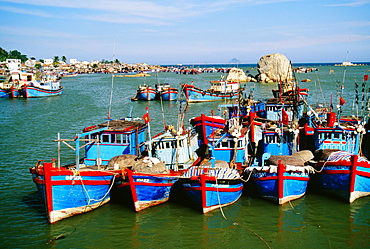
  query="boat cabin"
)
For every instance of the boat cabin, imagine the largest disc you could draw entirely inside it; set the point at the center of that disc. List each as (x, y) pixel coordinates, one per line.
(112, 138)
(224, 86)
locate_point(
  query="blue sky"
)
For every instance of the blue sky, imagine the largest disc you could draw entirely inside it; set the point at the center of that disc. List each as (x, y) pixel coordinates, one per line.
(187, 31)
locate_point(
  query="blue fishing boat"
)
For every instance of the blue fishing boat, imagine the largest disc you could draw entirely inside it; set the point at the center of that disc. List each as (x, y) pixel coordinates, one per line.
(344, 175)
(226, 140)
(148, 180)
(149, 188)
(206, 125)
(212, 187)
(11, 85)
(85, 185)
(176, 148)
(280, 173)
(213, 182)
(48, 85)
(219, 90)
(45, 89)
(145, 92)
(165, 92)
(277, 167)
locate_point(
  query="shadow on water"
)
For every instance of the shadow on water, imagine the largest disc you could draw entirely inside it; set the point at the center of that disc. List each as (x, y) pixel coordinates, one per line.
(34, 201)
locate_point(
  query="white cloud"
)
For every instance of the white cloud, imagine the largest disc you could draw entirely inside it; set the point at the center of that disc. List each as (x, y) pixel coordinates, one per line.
(349, 3)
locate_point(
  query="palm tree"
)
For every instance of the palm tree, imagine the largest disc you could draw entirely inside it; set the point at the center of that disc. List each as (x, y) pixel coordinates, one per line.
(64, 59)
(56, 60)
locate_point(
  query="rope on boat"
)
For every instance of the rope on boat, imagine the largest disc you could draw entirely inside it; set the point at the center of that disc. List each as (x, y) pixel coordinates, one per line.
(219, 201)
(87, 193)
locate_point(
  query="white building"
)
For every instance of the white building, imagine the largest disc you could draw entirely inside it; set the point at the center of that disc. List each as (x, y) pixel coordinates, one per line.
(13, 64)
(73, 61)
(48, 61)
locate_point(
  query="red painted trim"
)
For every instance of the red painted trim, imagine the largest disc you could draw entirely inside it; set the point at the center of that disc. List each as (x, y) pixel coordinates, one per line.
(48, 187)
(123, 184)
(37, 180)
(132, 186)
(342, 171)
(78, 182)
(152, 184)
(352, 175)
(362, 173)
(203, 189)
(204, 128)
(280, 173)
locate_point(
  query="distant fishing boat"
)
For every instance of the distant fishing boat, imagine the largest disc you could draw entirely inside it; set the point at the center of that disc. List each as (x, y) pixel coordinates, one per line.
(41, 89)
(165, 92)
(85, 185)
(145, 92)
(161, 91)
(219, 90)
(11, 85)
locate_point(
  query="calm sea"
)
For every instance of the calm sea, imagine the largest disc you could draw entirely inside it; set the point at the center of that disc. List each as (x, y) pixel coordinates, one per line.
(28, 127)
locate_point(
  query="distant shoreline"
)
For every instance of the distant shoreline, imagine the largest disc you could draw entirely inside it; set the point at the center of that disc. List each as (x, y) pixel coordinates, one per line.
(255, 65)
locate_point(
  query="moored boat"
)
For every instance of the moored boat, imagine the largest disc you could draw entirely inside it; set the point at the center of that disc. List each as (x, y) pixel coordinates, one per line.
(219, 90)
(41, 89)
(147, 182)
(166, 92)
(344, 175)
(85, 185)
(212, 187)
(145, 92)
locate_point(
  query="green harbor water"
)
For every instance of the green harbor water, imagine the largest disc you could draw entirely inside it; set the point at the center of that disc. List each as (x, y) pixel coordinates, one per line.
(28, 127)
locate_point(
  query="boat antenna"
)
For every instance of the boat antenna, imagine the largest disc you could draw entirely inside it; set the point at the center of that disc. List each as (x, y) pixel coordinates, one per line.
(111, 90)
(111, 97)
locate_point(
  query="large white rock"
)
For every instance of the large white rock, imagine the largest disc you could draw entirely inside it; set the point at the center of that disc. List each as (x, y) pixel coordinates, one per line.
(237, 75)
(274, 68)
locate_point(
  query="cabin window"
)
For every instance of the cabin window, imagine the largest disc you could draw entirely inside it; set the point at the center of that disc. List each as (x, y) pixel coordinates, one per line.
(224, 144)
(105, 138)
(336, 135)
(112, 138)
(232, 144)
(94, 136)
(118, 138)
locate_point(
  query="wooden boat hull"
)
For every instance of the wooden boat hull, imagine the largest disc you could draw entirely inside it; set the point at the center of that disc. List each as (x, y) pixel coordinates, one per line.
(348, 179)
(147, 190)
(4, 93)
(281, 186)
(211, 192)
(37, 92)
(194, 94)
(69, 192)
(147, 94)
(169, 95)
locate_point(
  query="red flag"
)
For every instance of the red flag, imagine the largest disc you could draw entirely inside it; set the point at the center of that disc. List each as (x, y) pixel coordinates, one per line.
(366, 77)
(341, 101)
(146, 117)
(285, 117)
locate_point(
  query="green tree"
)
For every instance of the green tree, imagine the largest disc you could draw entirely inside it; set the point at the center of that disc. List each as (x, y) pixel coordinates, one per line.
(64, 59)
(116, 61)
(15, 54)
(56, 60)
(37, 66)
(3, 54)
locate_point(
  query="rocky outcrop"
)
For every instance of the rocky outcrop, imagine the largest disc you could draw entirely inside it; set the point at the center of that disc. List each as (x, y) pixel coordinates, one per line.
(274, 68)
(238, 75)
